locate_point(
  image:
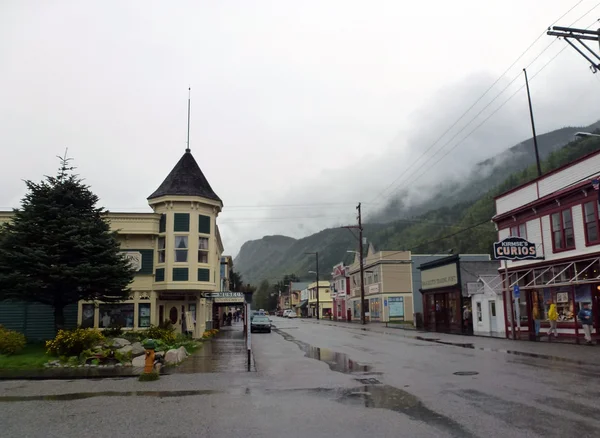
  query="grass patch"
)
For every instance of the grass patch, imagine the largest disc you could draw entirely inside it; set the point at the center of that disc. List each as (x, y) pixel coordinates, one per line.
(32, 356)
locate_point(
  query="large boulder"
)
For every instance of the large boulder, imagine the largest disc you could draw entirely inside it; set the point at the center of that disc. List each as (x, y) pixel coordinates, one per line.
(137, 349)
(139, 361)
(126, 349)
(120, 342)
(182, 354)
(172, 357)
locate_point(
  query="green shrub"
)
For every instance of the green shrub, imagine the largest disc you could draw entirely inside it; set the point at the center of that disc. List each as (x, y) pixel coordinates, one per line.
(166, 334)
(11, 342)
(114, 331)
(73, 342)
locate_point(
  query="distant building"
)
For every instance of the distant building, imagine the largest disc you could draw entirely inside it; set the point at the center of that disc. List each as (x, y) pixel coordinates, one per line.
(295, 289)
(226, 270)
(325, 301)
(387, 277)
(340, 291)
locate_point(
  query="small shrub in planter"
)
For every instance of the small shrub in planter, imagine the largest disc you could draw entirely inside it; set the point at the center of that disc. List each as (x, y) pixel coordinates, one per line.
(11, 342)
(73, 342)
(165, 334)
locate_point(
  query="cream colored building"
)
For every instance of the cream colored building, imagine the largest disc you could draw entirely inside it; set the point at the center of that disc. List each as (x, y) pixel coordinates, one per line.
(176, 253)
(388, 284)
(325, 299)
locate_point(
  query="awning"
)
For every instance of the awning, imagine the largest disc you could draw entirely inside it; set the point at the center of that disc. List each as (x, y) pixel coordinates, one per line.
(303, 304)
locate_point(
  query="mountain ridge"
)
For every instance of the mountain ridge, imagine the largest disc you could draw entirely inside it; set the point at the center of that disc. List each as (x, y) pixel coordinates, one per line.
(452, 207)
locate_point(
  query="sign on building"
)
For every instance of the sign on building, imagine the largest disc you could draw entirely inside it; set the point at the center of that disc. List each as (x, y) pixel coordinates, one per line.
(515, 248)
(134, 258)
(224, 295)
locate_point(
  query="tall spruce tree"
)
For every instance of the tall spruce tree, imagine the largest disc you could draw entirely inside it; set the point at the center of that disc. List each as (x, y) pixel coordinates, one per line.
(58, 247)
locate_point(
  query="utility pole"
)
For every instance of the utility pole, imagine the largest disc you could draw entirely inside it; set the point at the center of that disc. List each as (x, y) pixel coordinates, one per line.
(316, 254)
(579, 35)
(363, 318)
(535, 144)
(318, 304)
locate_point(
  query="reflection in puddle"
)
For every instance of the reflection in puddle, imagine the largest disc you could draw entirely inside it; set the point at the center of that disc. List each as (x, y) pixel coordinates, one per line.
(84, 395)
(394, 399)
(339, 362)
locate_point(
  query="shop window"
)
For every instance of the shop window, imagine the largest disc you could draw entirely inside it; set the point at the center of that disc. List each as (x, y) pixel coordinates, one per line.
(583, 295)
(375, 307)
(87, 315)
(144, 315)
(479, 313)
(562, 230)
(203, 250)
(181, 249)
(396, 307)
(561, 296)
(112, 315)
(590, 218)
(161, 250)
(519, 231)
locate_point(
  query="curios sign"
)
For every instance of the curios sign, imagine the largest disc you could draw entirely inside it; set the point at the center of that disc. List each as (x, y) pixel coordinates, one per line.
(515, 248)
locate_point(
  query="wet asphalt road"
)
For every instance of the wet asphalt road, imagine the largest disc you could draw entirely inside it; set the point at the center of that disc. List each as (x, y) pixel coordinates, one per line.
(322, 381)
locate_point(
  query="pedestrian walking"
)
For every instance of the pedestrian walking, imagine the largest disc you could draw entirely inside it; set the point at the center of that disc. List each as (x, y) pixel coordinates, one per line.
(553, 318)
(585, 316)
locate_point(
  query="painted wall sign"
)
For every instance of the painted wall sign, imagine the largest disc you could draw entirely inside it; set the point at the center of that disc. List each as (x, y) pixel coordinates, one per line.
(134, 258)
(515, 248)
(441, 276)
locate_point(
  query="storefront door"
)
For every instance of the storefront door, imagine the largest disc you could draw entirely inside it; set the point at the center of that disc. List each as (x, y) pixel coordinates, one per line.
(441, 312)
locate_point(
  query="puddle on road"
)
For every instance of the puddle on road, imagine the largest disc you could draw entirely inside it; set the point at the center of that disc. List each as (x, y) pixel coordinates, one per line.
(393, 399)
(339, 362)
(84, 395)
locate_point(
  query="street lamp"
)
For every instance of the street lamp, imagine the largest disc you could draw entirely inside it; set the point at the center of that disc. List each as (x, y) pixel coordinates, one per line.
(363, 318)
(586, 134)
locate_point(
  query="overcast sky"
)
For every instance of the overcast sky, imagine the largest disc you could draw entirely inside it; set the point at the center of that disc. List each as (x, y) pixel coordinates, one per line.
(314, 103)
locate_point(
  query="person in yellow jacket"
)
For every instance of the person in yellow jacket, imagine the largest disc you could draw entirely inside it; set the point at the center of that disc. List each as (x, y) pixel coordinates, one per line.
(553, 318)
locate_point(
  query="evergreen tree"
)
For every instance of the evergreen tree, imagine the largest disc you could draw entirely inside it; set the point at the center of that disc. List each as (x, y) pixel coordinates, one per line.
(58, 248)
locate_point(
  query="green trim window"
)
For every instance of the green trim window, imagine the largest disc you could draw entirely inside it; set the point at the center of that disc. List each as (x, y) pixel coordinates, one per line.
(162, 224)
(181, 249)
(144, 315)
(204, 224)
(181, 222)
(203, 250)
(161, 249)
(160, 274)
(180, 274)
(203, 274)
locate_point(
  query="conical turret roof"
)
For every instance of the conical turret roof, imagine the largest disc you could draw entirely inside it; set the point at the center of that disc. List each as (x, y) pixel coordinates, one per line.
(186, 179)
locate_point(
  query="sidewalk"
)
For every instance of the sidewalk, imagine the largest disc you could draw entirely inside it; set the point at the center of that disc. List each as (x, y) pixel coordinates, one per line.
(573, 353)
(226, 353)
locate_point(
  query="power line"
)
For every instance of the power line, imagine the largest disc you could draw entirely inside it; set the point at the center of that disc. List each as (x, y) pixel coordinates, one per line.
(480, 98)
(410, 174)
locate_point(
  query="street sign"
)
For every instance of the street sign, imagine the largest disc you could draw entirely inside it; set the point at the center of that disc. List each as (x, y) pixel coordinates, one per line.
(515, 248)
(517, 291)
(384, 303)
(224, 295)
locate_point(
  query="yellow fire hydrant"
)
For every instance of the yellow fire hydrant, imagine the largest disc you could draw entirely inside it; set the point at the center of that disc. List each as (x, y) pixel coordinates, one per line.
(150, 346)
